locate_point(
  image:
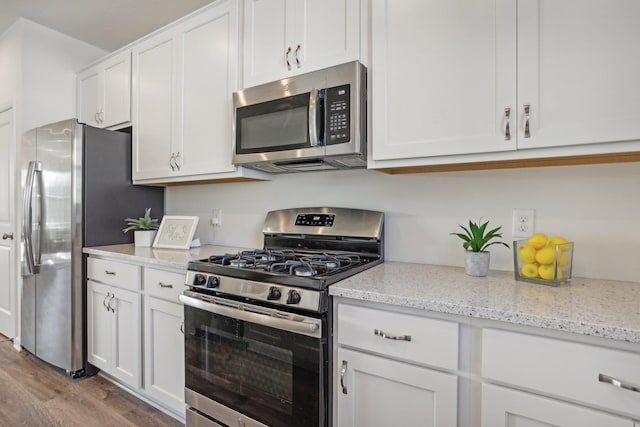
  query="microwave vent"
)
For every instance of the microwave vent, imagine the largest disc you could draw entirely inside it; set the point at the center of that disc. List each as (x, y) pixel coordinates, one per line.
(268, 167)
(352, 162)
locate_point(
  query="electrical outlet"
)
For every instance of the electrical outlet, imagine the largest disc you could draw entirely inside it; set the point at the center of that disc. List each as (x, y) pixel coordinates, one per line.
(522, 224)
(216, 218)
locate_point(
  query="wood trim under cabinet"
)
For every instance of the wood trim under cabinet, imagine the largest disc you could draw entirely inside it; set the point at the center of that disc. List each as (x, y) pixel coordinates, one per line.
(204, 181)
(591, 159)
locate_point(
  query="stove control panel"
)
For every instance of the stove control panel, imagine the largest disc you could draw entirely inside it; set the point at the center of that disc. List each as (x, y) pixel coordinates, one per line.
(307, 299)
(315, 220)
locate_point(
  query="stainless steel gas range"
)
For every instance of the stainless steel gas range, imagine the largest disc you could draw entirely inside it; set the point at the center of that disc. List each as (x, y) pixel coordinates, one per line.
(258, 323)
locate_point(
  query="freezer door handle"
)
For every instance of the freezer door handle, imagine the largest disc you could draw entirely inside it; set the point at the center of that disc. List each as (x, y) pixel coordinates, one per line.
(27, 223)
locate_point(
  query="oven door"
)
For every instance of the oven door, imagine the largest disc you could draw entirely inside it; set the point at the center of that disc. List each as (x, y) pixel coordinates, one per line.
(245, 360)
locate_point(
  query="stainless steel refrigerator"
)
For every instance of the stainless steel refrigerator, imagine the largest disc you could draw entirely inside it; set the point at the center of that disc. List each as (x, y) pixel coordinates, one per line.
(77, 190)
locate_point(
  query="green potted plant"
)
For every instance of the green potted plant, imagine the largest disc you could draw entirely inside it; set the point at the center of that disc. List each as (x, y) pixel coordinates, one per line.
(144, 228)
(476, 240)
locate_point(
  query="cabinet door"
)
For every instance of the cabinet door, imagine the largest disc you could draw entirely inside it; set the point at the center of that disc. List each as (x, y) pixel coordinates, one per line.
(510, 408)
(380, 392)
(328, 33)
(208, 73)
(116, 90)
(88, 102)
(154, 100)
(268, 34)
(164, 352)
(442, 75)
(99, 325)
(578, 68)
(126, 337)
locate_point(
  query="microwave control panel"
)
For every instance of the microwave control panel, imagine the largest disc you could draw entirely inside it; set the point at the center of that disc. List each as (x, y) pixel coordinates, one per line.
(338, 111)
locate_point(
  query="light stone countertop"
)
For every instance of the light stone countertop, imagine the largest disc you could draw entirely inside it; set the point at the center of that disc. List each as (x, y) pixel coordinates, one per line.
(601, 308)
(173, 258)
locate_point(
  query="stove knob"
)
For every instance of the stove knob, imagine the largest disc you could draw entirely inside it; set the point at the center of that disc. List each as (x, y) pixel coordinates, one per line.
(213, 282)
(199, 279)
(293, 297)
(274, 293)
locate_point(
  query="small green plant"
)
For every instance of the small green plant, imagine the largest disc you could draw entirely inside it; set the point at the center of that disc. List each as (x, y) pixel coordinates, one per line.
(144, 223)
(476, 240)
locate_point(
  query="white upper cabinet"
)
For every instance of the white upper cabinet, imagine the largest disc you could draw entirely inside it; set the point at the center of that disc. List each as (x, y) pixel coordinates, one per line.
(104, 92)
(579, 70)
(287, 37)
(183, 79)
(449, 78)
(442, 75)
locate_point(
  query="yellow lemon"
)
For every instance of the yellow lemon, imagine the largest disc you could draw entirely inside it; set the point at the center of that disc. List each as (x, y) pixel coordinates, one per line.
(537, 240)
(527, 253)
(546, 272)
(546, 255)
(556, 240)
(529, 270)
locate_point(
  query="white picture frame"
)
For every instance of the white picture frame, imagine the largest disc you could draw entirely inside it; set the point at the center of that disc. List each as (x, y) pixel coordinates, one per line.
(176, 232)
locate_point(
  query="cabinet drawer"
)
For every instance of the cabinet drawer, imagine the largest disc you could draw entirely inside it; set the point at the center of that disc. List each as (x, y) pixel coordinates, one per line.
(163, 284)
(114, 273)
(433, 342)
(565, 369)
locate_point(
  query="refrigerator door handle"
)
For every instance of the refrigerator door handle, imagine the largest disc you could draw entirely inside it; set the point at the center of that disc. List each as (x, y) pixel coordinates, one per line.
(27, 223)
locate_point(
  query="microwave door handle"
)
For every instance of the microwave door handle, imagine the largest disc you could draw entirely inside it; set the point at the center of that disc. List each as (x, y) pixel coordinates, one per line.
(313, 121)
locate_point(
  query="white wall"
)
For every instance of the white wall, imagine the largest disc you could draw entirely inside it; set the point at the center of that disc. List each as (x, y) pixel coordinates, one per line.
(596, 206)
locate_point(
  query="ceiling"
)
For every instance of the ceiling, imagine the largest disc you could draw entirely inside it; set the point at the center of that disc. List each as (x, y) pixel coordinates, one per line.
(107, 24)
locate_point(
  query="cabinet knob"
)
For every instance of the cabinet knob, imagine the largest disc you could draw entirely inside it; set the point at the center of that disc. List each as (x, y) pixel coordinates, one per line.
(6, 236)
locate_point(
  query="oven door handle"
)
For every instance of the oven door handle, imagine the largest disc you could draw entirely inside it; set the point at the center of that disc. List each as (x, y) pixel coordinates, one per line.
(249, 313)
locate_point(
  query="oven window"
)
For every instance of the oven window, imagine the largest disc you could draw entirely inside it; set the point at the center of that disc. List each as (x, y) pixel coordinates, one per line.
(271, 375)
(277, 125)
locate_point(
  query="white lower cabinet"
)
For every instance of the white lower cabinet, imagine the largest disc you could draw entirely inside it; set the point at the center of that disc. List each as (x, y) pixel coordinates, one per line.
(114, 331)
(378, 392)
(510, 408)
(394, 369)
(164, 352)
(143, 351)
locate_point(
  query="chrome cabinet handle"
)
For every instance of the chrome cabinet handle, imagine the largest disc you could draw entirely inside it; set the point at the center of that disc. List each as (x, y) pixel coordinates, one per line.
(527, 132)
(165, 285)
(178, 156)
(101, 115)
(104, 301)
(182, 327)
(620, 384)
(507, 130)
(392, 337)
(286, 58)
(96, 117)
(171, 160)
(6, 236)
(343, 371)
(110, 273)
(296, 56)
(113, 310)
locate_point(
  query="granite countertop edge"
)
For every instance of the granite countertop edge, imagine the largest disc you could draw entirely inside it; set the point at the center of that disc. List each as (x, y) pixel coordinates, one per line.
(400, 290)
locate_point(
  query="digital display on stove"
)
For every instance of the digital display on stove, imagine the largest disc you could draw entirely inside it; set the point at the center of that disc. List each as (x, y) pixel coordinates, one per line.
(315, 220)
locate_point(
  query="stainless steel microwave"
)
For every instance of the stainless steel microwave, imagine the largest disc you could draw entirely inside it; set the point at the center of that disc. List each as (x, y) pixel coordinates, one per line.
(314, 121)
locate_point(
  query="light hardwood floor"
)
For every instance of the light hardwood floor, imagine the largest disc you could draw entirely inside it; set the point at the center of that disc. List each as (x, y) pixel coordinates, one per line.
(34, 393)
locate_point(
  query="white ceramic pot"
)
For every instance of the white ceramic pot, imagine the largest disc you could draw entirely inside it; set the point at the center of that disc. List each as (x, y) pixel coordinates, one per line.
(144, 238)
(476, 263)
